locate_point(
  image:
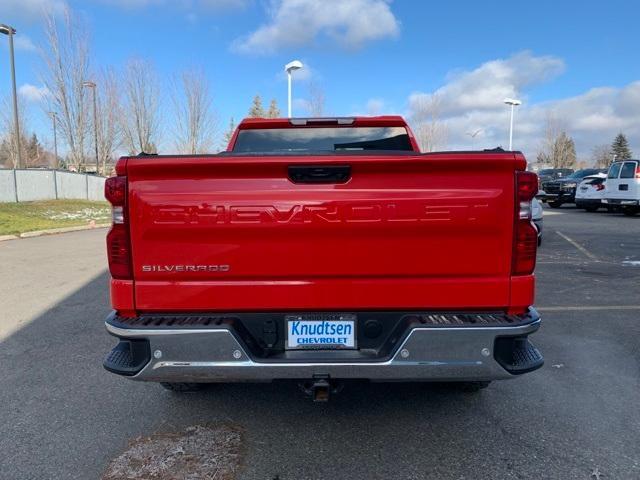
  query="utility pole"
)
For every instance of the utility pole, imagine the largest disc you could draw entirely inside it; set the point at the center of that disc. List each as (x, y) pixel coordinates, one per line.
(53, 116)
(473, 136)
(10, 31)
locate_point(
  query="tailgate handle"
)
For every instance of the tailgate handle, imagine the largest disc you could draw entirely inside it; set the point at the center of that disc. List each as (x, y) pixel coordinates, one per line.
(319, 173)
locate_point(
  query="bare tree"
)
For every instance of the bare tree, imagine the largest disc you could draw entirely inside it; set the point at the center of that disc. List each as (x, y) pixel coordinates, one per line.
(430, 132)
(558, 149)
(196, 123)
(552, 128)
(108, 117)
(140, 113)
(601, 156)
(8, 151)
(66, 57)
(316, 100)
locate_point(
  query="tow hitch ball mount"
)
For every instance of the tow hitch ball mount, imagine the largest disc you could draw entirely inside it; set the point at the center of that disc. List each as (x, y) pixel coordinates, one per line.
(321, 387)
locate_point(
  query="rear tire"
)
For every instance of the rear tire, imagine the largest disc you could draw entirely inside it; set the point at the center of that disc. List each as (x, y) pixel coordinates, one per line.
(183, 387)
(591, 208)
(555, 204)
(630, 211)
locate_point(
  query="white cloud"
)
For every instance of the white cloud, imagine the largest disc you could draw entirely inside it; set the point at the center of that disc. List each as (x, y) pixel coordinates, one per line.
(486, 86)
(295, 23)
(472, 100)
(24, 43)
(30, 9)
(375, 106)
(33, 93)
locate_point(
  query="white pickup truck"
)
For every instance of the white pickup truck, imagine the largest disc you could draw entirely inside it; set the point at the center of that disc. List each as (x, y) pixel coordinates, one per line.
(623, 186)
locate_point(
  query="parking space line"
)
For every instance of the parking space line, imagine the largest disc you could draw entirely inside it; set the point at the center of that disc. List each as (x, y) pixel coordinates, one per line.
(593, 308)
(551, 262)
(578, 246)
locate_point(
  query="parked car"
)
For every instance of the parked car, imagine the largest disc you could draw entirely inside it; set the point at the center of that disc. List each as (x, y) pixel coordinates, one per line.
(563, 190)
(591, 191)
(623, 186)
(548, 174)
(320, 250)
(536, 215)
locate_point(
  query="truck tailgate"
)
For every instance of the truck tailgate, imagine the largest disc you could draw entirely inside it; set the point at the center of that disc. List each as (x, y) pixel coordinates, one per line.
(216, 233)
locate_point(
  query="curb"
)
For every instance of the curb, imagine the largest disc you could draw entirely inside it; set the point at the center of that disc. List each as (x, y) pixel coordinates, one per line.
(53, 231)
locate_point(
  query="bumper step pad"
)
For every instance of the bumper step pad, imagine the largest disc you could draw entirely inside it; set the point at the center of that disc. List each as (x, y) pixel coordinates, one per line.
(518, 355)
(128, 357)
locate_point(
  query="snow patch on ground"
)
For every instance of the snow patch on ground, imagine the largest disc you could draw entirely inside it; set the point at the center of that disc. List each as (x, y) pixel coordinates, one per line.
(200, 452)
(631, 263)
(82, 214)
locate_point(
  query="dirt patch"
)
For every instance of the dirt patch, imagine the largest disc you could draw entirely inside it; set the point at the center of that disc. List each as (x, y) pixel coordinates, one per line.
(198, 453)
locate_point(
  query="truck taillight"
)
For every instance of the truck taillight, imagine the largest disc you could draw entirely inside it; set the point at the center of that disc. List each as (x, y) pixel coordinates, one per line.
(118, 244)
(525, 235)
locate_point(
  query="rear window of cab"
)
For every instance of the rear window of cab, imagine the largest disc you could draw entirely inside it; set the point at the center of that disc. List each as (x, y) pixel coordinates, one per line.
(628, 170)
(614, 170)
(322, 139)
(625, 169)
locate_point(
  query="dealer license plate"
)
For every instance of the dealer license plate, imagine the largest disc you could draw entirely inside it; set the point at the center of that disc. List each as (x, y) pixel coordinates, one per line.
(321, 331)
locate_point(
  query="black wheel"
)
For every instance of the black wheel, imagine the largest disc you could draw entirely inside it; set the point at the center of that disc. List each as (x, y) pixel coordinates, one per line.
(555, 204)
(591, 208)
(629, 211)
(183, 387)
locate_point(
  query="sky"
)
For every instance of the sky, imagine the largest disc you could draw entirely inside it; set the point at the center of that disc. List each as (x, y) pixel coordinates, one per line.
(576, 62)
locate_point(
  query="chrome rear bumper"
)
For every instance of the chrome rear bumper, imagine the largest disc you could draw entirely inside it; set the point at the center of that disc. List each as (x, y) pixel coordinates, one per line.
(439, 353)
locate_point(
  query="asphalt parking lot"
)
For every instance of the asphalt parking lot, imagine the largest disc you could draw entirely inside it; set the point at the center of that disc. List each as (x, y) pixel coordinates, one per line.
(64, 417)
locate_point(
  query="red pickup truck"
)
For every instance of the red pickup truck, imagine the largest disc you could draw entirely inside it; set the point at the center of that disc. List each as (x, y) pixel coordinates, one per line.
(319, 250)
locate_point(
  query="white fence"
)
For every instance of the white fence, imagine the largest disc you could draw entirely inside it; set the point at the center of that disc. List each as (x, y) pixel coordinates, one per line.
(29, 185)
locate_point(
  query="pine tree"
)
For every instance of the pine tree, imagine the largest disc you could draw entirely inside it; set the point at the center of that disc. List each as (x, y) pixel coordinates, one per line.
(620, 148)
(256, 110)
(228, 134)
(274, 111)
(5, 154)
(33, 150)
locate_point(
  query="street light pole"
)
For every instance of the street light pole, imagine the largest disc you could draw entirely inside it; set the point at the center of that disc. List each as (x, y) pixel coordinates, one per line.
(92, 86)
(10, 31)
(288, 94)
(473, 136)
(290, 67)
(513, 102)
(55, 139)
